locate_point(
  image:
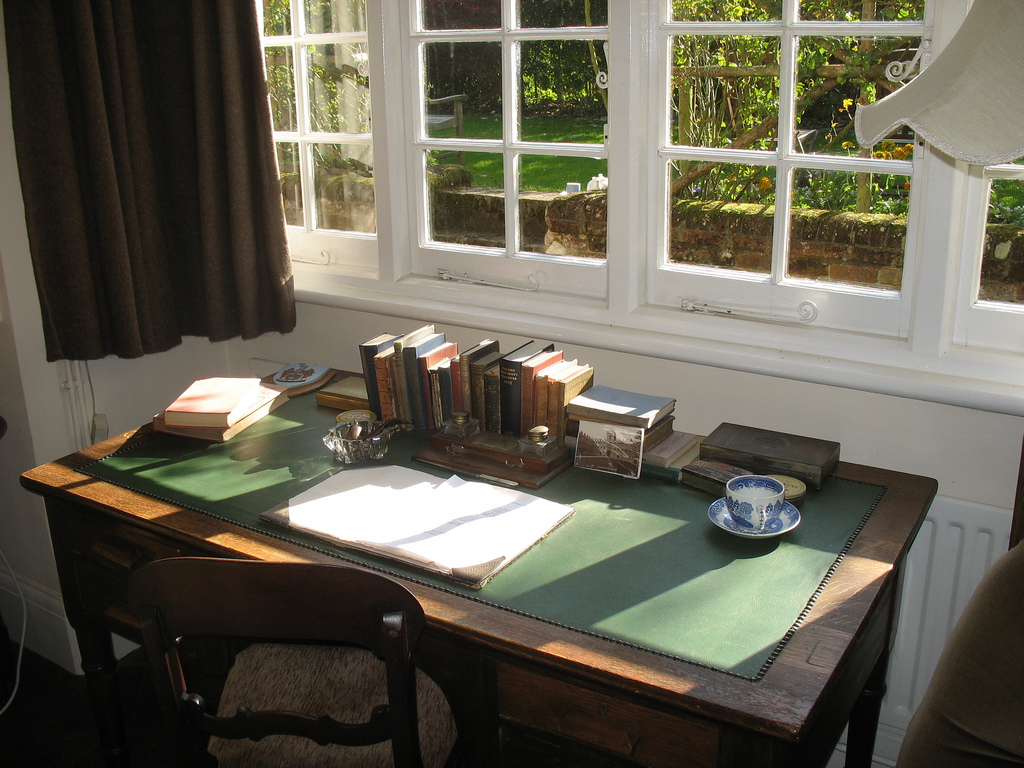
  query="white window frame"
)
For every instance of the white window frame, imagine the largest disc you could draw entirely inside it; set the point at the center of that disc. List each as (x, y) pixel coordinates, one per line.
(354, 251)
(578, 277)
(924, 359)
(984, 324)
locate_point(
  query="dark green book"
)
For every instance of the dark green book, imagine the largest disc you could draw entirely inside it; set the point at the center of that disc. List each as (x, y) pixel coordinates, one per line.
(511, 384)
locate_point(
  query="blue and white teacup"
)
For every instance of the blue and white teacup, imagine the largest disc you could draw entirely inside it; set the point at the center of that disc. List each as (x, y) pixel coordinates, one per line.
(754, 501)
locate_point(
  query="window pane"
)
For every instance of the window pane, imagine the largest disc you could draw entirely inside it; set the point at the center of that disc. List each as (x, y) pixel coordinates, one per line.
(277, 19)
(291, 186)
(467, 202)
(722, 215)
(335, 16)
(725, 91)
(545, 14)
(343, 177)
(829, 89)
(458, 14)
(849, 227)
(561, 100)
(555, 220)
(858, 10)
(339, 89)
(1002, 260)
(470, 70)
(281, 80)
(726, 10)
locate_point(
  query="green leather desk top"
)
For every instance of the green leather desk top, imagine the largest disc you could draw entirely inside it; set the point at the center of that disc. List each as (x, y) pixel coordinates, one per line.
(639, 563)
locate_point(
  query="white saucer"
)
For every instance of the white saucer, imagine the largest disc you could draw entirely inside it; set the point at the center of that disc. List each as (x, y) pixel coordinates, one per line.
(787, 521)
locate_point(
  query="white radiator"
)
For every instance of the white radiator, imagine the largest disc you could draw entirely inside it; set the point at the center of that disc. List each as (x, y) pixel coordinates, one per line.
(958, 542)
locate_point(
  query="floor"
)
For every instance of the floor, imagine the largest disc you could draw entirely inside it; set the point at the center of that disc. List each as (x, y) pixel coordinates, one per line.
(50, 724)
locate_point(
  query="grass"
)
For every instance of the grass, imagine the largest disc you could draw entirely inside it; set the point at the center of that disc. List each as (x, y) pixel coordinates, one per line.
(542, 173)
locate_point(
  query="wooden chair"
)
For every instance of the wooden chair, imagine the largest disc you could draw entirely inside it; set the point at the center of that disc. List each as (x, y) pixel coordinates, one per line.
(312, 624)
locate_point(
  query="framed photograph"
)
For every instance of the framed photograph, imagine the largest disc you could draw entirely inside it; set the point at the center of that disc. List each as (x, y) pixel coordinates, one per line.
(612, 448)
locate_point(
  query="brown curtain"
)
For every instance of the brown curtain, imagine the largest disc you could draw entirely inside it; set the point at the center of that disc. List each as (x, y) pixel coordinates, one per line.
(147, 166)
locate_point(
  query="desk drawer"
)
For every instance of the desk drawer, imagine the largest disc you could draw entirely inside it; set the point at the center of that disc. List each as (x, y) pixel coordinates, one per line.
(628, 729)
(104, 555)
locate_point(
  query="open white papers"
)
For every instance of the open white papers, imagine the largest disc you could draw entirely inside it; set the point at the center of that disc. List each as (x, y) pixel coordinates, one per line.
(465, 530)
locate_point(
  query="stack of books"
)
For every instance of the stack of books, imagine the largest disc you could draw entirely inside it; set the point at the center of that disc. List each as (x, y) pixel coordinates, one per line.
(423, 377)
(218, 408)
(665, 450)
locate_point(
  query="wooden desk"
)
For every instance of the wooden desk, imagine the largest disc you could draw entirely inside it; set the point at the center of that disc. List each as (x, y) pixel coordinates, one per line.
(526, 692)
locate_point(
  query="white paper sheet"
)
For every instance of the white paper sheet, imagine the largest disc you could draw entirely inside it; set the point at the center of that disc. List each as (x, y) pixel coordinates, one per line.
(448, 526)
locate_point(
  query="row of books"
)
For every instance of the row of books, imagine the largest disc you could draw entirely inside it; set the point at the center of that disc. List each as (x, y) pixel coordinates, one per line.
(423, 377)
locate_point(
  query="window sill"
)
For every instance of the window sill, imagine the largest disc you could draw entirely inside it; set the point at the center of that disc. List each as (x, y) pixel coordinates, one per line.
(988, 381)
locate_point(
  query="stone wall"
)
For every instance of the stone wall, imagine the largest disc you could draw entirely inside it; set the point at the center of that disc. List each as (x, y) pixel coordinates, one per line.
(863, 249)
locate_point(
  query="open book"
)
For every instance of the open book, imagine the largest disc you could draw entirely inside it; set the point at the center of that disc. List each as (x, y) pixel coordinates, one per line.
(462, 530)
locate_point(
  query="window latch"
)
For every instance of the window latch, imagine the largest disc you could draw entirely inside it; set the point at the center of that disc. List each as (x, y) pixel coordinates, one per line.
(532, 283)
(806, 312)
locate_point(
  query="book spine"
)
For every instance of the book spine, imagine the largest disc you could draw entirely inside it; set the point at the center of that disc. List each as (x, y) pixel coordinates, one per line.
(425, 395)
(434, 392)
(367, 354)
(555, 418)
(446, 385)
(510, 381)
(584, 413)
(492, 399)
(540, 389)
(669, 474)
(383, 376)
(411, 370)
(476, 375)
(466, 383)
(456, 377)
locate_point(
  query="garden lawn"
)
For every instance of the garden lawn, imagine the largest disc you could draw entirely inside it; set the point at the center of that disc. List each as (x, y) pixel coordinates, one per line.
(542, 173)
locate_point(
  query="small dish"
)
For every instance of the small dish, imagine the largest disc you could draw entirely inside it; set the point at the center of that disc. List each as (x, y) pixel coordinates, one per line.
(373, 443)
(785, 522)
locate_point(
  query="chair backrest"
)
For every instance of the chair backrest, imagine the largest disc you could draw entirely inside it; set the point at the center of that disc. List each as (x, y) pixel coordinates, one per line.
(280, 602)
(972, 713)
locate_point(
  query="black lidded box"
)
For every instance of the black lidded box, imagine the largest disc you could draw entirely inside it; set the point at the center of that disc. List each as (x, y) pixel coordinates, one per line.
(763, 451)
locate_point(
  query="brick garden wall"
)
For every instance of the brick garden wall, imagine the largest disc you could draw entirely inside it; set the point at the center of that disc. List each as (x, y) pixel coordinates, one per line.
(864, 249)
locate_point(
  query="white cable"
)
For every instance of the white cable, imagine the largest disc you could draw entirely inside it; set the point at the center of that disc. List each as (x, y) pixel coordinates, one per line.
(21, 642)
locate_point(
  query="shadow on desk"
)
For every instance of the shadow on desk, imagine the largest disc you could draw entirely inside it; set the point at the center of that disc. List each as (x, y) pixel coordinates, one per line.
(50, 723)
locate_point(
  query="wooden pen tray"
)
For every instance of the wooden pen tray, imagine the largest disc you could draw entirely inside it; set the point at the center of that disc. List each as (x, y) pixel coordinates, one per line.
(495, 456)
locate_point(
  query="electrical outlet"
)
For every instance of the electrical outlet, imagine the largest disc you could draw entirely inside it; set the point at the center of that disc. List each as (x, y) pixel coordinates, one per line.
(99, 427)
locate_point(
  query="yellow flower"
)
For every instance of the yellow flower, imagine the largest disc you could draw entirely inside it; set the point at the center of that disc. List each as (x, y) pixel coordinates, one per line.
(900, 153)
(849, 145)
(888, 145)
(847, 103)
(906, 185)
(764, 184)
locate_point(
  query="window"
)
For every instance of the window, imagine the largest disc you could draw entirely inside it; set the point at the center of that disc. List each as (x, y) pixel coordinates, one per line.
(771, 207)
(531, 83)
(991, 289)
(676, 176)
(317, 64)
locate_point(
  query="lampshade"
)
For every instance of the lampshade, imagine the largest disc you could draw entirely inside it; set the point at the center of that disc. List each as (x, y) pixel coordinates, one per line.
(970, 101)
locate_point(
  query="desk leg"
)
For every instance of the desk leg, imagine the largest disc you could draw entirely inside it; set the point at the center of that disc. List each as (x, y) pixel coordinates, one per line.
(100, 667)
(860, 738)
